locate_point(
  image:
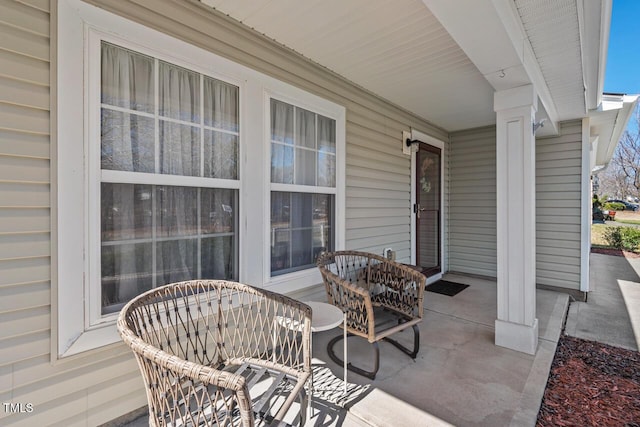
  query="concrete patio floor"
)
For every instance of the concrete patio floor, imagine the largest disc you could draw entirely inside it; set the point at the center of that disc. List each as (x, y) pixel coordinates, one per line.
(459, 377)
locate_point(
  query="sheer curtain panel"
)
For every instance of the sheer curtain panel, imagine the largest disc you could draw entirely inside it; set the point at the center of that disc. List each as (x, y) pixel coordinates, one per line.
(154, 234)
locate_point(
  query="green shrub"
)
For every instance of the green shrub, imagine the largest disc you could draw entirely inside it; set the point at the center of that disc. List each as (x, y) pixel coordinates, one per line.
(631, 238)
(627, 238)
(613, 206)
(613, 237)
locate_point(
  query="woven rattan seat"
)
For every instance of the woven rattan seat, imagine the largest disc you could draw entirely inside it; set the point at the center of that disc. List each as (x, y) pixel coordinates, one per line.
(368, 287)
(215, 353)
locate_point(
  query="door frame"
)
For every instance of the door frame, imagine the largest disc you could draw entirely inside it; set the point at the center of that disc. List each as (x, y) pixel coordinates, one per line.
(441, 145)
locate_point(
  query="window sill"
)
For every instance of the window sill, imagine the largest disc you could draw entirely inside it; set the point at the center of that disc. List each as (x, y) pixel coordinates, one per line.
(91, 339)
(292, 282)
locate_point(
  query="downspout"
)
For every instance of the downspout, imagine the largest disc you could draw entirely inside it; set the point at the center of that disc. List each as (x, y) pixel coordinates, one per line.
(585, 207)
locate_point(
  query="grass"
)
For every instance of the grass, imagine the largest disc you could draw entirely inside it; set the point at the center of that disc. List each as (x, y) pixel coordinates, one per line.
(623, 218)
(626, 221)
(597, 235)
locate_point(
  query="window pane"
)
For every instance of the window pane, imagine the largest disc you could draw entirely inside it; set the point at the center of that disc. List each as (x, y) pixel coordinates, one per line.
(127, 142)
(313, 160)
(301, 210)
(126, 272)
(176, 260)
(152, 235)
(179, 93)
(179, 149)
(326, 134)
(323, 209)
(301, 247)
(125, 211)
(305, 128)
(218, 257)
(305, 167)
(218, 212)
(177, 211)
(326, 169)
(280, 247)
(280, 209)
(281, 122)
(127, 79)
(301, 228)
(281, 164)
(280, 234)
(220, 155)
(220, 105)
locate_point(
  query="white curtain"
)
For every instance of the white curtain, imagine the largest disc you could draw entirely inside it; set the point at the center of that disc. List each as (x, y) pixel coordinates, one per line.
(128, 144)
(179, 99)
(127, 82)
(326, 152)
(282, 132)
(220, 105)
(305, 160)
(221, 112)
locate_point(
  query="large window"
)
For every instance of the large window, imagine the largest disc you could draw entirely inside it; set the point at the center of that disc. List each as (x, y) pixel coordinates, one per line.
(303, 186)
(161, 119)
(173, 163)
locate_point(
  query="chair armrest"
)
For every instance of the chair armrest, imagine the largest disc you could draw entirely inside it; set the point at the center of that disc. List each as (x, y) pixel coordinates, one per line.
(401, 288)
(354, 300)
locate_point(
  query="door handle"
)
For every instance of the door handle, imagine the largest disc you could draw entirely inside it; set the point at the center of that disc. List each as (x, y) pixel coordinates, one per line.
(417, 209)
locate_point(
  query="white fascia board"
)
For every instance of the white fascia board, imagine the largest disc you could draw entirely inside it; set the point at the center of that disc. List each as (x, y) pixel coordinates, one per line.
(609, 133)
(594, 18)
(629, 105)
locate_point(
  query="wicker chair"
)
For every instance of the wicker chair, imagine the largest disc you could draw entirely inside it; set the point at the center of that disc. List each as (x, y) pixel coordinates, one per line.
(219, 353)
(369, 287)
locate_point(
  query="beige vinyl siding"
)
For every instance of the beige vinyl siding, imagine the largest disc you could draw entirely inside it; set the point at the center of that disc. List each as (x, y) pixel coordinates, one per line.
(378, 192)
(25, 272)
(63, 393)
(558, 194)
(471, 202)
(103, 384)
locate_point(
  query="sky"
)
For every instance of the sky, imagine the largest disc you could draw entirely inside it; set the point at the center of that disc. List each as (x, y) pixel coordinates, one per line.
(622, 74)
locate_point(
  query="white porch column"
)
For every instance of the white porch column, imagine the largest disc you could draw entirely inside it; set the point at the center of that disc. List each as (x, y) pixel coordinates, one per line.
(516, 326)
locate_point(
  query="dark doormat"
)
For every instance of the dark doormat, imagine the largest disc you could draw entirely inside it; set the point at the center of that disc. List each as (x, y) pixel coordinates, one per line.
(446, 288)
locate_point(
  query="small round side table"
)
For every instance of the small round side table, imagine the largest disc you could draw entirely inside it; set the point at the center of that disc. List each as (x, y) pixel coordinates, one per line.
(325, 317)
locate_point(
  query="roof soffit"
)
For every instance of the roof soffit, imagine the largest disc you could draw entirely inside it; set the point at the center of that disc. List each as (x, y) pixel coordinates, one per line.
(444, 61)
(397, 50)
(492, 35)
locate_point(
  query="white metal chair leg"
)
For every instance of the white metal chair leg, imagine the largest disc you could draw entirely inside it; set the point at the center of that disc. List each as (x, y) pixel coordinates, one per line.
(345, 354)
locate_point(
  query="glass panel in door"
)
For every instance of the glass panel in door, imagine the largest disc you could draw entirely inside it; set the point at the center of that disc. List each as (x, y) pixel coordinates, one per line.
(427, 209)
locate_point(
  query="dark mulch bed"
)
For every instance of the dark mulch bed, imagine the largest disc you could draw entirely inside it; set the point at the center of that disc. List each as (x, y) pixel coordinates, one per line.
(615, 252)
(592, 384)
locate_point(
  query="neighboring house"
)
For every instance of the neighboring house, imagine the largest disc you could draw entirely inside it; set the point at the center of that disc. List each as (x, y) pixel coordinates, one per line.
(148, 141)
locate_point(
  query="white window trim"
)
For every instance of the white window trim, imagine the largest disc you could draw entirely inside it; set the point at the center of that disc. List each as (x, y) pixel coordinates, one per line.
(95, 175)
(71, 252)
(291, 281)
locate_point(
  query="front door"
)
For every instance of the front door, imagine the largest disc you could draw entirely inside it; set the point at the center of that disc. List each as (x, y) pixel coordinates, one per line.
(427, 208)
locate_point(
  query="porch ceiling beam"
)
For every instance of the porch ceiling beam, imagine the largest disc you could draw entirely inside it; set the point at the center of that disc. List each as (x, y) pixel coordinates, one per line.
(491, 34)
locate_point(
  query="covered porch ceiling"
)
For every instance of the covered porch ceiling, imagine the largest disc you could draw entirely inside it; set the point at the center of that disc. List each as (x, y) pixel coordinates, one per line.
(443, 59)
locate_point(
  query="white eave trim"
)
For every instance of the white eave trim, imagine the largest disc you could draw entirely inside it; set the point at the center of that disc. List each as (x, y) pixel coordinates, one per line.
(606, 143)
(594, 19)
